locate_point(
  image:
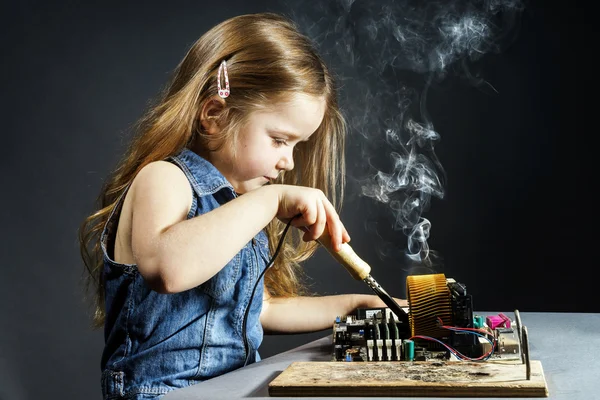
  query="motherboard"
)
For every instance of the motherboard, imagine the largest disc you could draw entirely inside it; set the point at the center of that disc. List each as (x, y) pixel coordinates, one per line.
(438, 324)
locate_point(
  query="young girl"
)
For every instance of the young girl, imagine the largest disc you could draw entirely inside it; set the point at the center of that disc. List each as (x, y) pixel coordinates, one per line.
(246, 138)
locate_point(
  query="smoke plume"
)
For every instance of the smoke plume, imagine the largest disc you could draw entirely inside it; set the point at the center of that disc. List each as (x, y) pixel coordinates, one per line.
(387, 54)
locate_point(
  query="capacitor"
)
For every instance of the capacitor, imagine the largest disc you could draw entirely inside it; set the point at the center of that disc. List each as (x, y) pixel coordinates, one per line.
(408, 348)
(338, 352)
(478, 321)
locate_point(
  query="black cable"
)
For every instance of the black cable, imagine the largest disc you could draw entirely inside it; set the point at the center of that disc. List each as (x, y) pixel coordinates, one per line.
(246, 346)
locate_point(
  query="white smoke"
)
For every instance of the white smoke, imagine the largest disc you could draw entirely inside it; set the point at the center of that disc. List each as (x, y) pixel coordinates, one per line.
(379, 45)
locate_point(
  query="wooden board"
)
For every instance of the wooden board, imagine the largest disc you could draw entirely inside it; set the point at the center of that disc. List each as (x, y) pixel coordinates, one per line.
(410, 379)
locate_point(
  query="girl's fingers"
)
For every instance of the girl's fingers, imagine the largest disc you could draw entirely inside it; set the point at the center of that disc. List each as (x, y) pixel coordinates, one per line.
(336, 233)
(307, 217)
(314, 225)
(321, 222)
(345, 235)
(318, 216)
(335, 226)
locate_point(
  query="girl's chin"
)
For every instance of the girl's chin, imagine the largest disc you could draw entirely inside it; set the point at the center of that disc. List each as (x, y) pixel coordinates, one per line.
(249, 186)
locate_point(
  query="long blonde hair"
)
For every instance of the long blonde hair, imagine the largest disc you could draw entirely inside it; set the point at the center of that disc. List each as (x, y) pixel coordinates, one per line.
(267, 59)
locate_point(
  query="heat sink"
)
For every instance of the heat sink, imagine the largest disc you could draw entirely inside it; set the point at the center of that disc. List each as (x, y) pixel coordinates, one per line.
(428, 300)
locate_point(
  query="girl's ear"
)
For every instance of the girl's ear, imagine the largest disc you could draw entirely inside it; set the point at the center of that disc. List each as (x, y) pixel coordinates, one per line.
(209, 114)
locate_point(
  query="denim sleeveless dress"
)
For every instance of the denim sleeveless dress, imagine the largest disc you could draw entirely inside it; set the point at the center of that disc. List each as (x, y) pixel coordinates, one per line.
(155, 343)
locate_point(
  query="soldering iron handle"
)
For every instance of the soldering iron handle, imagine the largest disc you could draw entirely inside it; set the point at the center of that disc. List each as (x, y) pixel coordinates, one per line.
(347, 257)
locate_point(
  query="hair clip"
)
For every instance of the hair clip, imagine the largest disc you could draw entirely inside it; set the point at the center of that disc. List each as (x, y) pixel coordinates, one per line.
(224, 93)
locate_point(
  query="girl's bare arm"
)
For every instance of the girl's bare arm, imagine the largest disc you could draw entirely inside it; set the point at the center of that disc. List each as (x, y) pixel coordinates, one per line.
(310, 314)
(174, 254)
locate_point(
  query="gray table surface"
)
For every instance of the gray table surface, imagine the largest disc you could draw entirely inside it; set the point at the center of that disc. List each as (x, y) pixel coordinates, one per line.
(567, 344)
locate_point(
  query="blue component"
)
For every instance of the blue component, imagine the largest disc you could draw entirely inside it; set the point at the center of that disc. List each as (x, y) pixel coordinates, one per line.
(337, 320)
(361, 331)
(348, 357)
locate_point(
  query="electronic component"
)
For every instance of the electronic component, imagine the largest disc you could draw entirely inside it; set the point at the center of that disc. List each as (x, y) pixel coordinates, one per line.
(438, 324)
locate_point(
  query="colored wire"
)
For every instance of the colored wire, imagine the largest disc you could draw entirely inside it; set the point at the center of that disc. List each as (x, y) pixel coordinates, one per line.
(450, 349)
(459, 355)
(441, 324)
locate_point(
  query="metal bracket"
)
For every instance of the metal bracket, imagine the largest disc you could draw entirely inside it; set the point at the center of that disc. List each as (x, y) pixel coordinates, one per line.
(519, 326)
(526, 353)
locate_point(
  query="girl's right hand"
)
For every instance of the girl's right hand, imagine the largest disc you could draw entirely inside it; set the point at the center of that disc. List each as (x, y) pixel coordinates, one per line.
(313, 211)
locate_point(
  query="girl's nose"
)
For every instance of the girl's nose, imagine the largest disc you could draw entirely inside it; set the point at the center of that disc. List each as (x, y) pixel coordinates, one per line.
(286, 162)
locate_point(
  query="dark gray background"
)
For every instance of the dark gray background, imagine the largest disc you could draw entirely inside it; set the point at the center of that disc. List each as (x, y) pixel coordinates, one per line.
(514, 226)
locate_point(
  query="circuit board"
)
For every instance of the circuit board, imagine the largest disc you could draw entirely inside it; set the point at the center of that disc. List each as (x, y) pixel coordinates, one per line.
(438, 325)
(377, 335)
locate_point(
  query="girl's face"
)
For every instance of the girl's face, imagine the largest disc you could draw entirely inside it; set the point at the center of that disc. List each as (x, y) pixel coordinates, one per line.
(265, 145)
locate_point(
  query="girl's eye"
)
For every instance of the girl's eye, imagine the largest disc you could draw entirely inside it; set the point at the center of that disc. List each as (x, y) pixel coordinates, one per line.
(279, 142)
